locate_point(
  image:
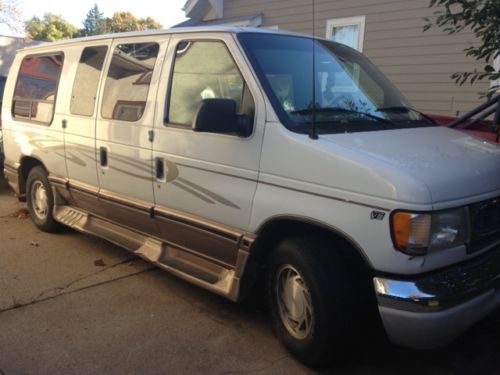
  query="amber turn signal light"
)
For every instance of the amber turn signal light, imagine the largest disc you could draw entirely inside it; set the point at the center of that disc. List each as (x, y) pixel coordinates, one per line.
(411, 232)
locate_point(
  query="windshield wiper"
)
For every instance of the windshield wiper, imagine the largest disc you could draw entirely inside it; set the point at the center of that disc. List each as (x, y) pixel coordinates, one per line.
(308, 111)
(404, 108)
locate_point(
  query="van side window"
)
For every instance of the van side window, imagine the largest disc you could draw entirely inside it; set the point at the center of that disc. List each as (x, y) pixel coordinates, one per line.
(84, 92)
(203, 70)
(36, 88)
(127, 84)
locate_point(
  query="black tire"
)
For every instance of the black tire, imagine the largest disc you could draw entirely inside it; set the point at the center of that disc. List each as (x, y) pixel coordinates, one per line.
(325, 275)
(41, 214)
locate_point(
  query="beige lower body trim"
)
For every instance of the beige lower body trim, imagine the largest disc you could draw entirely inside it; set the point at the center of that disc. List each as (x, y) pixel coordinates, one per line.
(11, 173)
(202, 252)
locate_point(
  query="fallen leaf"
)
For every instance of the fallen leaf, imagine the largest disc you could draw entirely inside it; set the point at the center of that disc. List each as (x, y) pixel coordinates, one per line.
(99, 263)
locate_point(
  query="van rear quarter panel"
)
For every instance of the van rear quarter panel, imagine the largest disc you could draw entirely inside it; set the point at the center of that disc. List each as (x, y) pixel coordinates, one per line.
(28, 139)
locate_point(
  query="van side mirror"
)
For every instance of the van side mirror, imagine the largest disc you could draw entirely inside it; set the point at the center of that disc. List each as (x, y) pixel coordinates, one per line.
(221, 116)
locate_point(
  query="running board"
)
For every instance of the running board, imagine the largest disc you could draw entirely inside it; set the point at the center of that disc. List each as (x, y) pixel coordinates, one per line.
(180, 262)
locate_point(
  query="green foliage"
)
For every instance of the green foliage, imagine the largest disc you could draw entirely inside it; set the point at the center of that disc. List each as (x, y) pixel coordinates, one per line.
(149, 23)
(482, 17)
(126, 21)
(94, 23)
(50, 28)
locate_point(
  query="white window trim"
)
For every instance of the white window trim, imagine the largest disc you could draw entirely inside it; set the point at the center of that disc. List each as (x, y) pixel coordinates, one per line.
(348, 21)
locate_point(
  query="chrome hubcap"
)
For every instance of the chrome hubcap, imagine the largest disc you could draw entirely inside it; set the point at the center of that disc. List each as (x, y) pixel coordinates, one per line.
(39, 200)
(294, 302)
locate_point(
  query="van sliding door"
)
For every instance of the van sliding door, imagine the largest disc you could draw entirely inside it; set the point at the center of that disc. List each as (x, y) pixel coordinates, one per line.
(123, 132)
(80, 121)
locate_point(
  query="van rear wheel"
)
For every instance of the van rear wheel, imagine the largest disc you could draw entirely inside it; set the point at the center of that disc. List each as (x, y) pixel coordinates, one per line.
(309, 292)
(40, 200)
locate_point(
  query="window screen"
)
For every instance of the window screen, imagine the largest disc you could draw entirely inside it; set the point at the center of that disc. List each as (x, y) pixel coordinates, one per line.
(348, 35)
(36, 88)
(348, 31)
(202, 70)
(84, 92)
(127, 84)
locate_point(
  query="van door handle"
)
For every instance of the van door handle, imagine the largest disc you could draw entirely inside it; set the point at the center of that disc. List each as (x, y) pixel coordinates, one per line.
(103, 156)
(160, 169)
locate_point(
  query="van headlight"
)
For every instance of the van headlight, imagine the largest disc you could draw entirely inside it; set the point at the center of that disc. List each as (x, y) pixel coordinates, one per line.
(417, 233)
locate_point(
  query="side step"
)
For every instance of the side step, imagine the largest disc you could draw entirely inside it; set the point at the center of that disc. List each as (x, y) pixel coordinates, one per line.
(181, 262)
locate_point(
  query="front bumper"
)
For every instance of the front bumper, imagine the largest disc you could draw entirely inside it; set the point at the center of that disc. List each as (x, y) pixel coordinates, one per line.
(433, 309)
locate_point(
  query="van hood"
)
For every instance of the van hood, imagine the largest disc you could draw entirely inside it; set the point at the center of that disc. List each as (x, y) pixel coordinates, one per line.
(451, 164)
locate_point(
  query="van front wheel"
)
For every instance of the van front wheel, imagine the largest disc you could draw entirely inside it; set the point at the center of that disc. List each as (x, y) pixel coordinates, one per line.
(40, 200)
(309, 293)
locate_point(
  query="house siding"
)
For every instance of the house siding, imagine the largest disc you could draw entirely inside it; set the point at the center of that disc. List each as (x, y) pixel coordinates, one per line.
(8, 47)
(418, 63)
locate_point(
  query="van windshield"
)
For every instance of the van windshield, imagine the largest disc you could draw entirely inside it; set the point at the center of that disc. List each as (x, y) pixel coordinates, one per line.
(351, 94)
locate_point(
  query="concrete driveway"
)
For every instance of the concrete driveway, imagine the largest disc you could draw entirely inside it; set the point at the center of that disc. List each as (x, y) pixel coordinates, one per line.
(70, 303)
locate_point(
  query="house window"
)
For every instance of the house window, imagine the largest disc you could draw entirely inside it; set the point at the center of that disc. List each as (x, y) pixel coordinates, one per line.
(349, 31)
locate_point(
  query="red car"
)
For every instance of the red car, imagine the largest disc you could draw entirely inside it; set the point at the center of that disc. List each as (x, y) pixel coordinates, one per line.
(483, 129)
(486, 129)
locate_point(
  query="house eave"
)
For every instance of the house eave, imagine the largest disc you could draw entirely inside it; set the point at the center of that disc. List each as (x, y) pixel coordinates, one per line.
(253, 20)
(198, 8)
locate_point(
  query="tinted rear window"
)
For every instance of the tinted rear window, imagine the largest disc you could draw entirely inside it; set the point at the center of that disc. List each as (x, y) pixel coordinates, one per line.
(36, 88)
(83, 96)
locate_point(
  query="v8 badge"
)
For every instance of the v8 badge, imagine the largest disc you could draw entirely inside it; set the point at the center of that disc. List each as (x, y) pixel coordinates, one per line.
(377, 215)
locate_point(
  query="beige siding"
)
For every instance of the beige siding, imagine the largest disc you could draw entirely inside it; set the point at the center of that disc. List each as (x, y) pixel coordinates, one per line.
(8, 47)
(420, 64)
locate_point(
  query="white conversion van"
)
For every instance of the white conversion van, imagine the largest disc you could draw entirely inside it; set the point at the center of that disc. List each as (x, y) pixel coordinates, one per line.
(228, 156)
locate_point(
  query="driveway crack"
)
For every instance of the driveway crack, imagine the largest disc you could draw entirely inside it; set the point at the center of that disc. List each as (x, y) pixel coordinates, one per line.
(58, 289)
(40, 298)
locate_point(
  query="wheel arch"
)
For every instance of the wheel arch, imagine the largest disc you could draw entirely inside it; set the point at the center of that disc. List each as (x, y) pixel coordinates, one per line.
(26, 164)
(276, 229)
